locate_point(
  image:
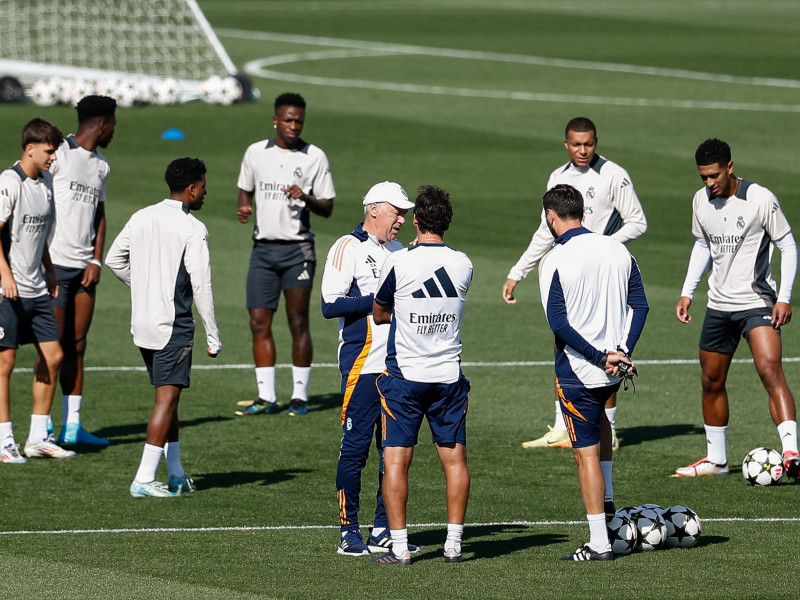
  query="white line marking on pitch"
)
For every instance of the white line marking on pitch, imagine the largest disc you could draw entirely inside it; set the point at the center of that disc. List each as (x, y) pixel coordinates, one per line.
(357, 48)
(323, 527)
(532, 363)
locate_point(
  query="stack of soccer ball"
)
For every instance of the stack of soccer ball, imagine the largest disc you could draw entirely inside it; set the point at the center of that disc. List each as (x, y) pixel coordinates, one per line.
(762, 466)
(130, 91)
(651, 527)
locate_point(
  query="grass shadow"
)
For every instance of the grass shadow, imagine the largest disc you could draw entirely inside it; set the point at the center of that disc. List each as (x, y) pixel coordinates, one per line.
(233, 478)
(633, 436)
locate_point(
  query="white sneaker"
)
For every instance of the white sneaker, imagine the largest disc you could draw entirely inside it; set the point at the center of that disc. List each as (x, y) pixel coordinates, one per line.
(47, 448)
(702, 468)
(10, 455)
(554, 438)
(154, 489)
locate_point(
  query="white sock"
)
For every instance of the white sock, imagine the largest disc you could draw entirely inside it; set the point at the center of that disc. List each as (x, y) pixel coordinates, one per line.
(598, 533)
(715, 444)
(172, 450)
(6, 434)
(72, 409)
(377, 531)
(454, 533)
(265, 379)
(606, 465)
(399, 541)
(788, 434)
(38, 430)
(151, 456)
(611, 413)
(559, 424)
(300, 377)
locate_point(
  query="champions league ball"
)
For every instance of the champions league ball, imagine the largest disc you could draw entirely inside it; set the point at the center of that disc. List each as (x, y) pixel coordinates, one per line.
(652, 528)
(210, 89)
(44, 93)
(229, 92)
(622, 534)
(762, 466)
(683, 527)
(166, 91)
(126, 93)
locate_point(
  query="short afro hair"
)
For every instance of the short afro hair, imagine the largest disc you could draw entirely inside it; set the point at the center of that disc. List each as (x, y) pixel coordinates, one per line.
(290, 99)
(183, 172)
(91, 107)
(713, 152)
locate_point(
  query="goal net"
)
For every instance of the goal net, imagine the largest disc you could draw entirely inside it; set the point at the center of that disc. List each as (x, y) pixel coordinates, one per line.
(94, 40)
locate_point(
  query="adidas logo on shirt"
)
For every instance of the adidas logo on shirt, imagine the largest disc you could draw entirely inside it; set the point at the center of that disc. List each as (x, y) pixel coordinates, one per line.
(431, 290)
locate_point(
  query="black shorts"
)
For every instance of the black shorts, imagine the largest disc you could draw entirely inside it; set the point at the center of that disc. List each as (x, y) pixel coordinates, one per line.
(69, 286)
(27, 320)
(277, 266)
(723, 330)
(170, 366)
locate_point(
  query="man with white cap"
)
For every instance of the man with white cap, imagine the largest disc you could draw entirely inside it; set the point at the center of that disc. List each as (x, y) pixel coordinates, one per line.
(349, 282)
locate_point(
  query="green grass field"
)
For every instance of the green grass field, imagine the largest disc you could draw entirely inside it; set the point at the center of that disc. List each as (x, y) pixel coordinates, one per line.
(471, 95)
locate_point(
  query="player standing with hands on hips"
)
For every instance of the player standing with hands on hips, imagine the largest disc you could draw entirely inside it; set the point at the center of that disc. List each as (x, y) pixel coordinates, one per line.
(286, 179)
(588, 282)
(736, 223)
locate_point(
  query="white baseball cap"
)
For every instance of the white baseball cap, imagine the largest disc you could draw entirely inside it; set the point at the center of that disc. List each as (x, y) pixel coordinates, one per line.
(390, 192)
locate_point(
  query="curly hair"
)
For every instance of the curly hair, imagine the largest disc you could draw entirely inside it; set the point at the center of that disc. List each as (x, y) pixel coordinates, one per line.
(713, 152)
(183, 172)
(433, 210)
(290, 99)
(565, 200)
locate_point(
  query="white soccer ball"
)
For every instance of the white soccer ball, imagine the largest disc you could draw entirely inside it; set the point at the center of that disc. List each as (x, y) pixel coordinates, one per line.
(144, 91)
(106, 87)
(210, 89)
(126, 93)
(166, 91)
(230, 91)
(683, 526)
(652, 528)
(44, 93)
(622, 534)
(762, 466)
(78, 89)
(63, 89)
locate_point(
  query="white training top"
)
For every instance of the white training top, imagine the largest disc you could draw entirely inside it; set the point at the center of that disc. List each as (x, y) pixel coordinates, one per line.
(426, 287)
(79, 183)
(26, 211)
(162, 254)
(349, 283)
(611, 207)
(266, 170)
(587, 282)
(739, 232)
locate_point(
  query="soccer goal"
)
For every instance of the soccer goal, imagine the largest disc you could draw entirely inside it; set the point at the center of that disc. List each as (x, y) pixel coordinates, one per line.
(146, 41)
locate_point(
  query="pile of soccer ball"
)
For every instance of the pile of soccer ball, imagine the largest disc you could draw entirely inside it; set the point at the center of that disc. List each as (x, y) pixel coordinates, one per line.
(127, 92)
(651, 527)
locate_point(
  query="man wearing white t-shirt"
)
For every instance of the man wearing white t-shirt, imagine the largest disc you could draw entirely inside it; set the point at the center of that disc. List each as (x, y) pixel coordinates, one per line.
(76, 248)
(28, 284)
(736, 224)
(421, 292)
(611, 208)
(283, 180)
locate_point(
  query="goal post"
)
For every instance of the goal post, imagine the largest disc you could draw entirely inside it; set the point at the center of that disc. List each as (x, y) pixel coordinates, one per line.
(94, 40)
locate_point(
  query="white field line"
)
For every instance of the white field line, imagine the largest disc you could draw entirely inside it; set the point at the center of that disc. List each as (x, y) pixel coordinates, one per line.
(357, 48)
(323, 527)
(521, 363)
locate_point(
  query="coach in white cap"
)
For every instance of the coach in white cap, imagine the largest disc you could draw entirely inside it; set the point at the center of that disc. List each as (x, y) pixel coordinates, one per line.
(349, 282)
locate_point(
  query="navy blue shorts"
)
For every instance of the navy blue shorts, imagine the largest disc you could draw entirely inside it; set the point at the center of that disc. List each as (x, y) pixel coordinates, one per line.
(722, 330)
(583, 409)
(277, 266)
(170, 366)
(69, 286)
(27, 320)
(404, 404)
